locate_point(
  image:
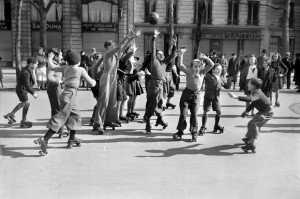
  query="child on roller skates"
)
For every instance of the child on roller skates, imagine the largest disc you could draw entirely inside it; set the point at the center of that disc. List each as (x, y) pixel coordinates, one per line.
(68, 114)
(261, 102)
(190, 98)
(213, 84)
(24, 86)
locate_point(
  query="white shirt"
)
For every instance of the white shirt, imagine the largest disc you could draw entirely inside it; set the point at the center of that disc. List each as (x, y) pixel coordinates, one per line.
(252, 72)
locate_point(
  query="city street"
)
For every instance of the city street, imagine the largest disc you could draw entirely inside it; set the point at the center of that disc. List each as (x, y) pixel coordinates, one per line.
(127, 163)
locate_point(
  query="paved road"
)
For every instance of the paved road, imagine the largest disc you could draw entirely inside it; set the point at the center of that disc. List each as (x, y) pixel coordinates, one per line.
(126, 163)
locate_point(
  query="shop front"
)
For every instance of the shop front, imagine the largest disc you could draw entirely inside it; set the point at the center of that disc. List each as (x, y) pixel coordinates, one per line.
(239, 41)
(5, 31)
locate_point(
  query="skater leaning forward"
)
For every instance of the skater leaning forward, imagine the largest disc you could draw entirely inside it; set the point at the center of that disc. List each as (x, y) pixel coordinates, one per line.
(155, 83)
(190, 98)
(68, 114)
(261, 102)
(24, 86)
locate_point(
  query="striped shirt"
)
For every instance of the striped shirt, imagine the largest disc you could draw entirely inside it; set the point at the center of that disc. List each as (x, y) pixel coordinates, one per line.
(258, 100)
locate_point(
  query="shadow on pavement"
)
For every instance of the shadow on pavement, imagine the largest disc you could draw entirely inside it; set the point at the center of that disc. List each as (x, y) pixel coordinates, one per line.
(12, 151)
(189, 150)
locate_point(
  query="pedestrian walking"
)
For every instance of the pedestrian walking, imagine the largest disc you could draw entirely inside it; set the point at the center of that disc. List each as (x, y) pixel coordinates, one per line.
(25, 82)
(288, 62)
(233, 69)
(280, 71)
(190, 98)
(1, 72)
(261, 58)
(263, 105)
(68, 113)
(297, 72)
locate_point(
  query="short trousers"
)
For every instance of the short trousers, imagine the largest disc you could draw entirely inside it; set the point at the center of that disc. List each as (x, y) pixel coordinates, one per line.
(22, 94)
(214, 103)
(121, 92)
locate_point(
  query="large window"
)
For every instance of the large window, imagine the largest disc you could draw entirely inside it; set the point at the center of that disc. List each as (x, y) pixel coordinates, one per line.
(233, 12)
(207, 17)
(150, 6)
(292, 15)
(253, 13)
(5, 8)
(99, 11)
(53, 15)
(175, 11)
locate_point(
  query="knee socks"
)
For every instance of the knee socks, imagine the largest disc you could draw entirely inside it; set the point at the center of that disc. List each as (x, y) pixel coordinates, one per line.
(24, 113)
(204, 119)
(48, 135)
(217, 120)
(72, 135)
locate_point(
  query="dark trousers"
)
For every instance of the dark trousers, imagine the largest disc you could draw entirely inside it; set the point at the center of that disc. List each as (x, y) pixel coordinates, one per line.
(258, 121)
(288, 81)
(189, 100)
(154, 96)
(54, 91)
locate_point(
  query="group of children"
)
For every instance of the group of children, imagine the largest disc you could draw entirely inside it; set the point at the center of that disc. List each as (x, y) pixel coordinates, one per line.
(111, 69)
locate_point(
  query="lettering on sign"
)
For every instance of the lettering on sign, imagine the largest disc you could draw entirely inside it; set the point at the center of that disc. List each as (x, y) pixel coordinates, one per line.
(99, 27)
(5, 25)
(51, 26)
(232, 34)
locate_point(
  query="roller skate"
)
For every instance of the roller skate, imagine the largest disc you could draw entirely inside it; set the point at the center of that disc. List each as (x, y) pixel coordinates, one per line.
(246, 141)
(202, 131)
(177, 136)
(43, 144)
(160, 121)
(218, 129)
(26, 124)
(135, 114)
(194, 137)
(249, 147)
(74, 143)
(110, 124)
(148, 127)
(277, 104)
(130, 116)
(170, 105)
(119, 123)
(97, 127)
(11, 118)
(125, 119)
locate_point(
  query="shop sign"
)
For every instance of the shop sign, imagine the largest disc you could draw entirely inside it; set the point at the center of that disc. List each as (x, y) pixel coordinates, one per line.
(231, 34)
(5, 25)
(109, 1)
(51, 26)
(99, 27)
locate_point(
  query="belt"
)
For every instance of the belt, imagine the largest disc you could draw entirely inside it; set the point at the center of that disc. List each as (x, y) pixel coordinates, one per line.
(191, 91)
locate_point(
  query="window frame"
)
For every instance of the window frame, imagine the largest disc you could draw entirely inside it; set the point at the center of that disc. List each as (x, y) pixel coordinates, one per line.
(292, 15)
(207, 17)
(232, 12)
(251, 11)
(150, 6)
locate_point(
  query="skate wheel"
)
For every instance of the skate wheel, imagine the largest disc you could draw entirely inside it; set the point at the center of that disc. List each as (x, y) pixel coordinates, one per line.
(113, 128)
(10, 122)
(156, 124)
(42, 153)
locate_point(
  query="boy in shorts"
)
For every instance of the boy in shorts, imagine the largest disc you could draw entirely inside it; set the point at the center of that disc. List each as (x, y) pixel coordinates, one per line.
(24, 86)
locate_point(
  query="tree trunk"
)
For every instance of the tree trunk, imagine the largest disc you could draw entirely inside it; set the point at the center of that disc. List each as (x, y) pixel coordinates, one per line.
(201, 12)
(285, 27)
(18, 38)
(43, 28)
(171, 21)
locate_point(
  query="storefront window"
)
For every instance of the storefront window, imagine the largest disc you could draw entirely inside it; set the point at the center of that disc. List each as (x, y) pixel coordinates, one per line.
(207, 17)
(5, 7)
(233, 12)
(53, 15)
(253, 13)
(100, 11)
(150, 6)
(292, 16)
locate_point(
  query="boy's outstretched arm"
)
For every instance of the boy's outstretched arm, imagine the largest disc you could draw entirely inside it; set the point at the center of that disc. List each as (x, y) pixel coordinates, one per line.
(181, 66)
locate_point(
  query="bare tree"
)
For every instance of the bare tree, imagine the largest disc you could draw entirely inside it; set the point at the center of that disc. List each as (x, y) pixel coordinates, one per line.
(171, 22)
(200, 14)
(18, 37)
(43, 9)
(286, 26)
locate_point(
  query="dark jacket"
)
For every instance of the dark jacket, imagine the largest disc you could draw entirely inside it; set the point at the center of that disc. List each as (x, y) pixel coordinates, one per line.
(25, 80)
(212, 87)
(233, 67)
(268, 78)
(288, 63)
(297, 72)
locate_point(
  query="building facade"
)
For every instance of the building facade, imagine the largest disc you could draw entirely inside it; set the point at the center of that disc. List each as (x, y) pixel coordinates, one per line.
(229, 26)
